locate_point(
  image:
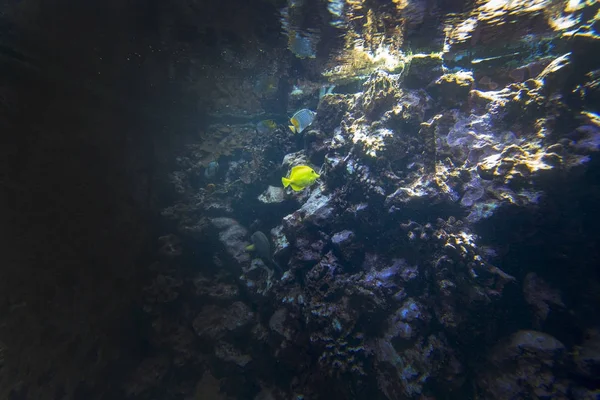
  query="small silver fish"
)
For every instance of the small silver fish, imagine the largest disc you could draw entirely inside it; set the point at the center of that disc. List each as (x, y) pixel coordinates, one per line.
(302, 120)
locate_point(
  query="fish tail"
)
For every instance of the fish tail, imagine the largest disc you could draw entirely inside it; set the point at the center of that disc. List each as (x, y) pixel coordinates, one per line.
(277, 266)
(286, 182)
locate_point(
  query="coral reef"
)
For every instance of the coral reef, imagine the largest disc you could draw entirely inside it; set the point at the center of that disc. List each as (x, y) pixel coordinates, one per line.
(396, 277)
(536, 355)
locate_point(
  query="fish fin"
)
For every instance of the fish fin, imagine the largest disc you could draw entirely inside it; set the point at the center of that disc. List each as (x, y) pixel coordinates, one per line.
(298, 168)
(286, 182)
(250, 247)
(295, 124)
(277, 266)
(296, 187)
(292, 128)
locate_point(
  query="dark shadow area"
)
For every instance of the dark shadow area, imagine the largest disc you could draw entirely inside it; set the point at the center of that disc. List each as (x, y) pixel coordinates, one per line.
(86, 108)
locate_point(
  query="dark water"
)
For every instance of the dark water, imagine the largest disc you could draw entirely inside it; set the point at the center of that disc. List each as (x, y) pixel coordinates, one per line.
(442, 242)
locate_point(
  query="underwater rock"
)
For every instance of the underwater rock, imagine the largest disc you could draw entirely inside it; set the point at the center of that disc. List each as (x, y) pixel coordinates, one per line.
(529, 364)
(513, 165)
(272, 195)
(233, 238)
(182, 339)
(217, 206)
(170, 246)
(534, 343)
(408, 321)
(324, 271)
(331, 110)
(451, 90)
(408, 114)
(293, 159)
(333, 320)
(257, 280)
(218, 292)
(540, 297)
(215, 322)
(308, 251)
(348, 248)
(423, 188)
(587, 355)
(371, 142)
(403, 373)
(281, 245)
(209, 387)
(164, 289)
(585, 140)
(473, 191)
(423, 70)
(277, 323)
(555, 74)
(148, 375)
(481, 39)
(316, 211)
(390, 139)
(317, 146)
(343, 355)
(380, 93)
(380, 276)
(228, 353)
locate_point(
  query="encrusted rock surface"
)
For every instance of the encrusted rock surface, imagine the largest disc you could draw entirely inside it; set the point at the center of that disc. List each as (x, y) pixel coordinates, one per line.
(407, 269)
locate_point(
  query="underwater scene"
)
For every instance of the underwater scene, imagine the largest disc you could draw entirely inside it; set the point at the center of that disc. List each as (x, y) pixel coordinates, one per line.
(402, 203)
(358, 199)
(398, 200)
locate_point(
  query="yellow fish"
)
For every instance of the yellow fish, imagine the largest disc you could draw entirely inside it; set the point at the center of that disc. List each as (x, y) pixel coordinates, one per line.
(302, 176)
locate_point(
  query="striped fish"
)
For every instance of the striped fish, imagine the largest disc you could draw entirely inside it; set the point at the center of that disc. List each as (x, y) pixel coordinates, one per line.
(301, 120)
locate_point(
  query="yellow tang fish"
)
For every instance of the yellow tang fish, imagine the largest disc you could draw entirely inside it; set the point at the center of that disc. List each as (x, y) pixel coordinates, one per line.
(301, 177)
(301, 120)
